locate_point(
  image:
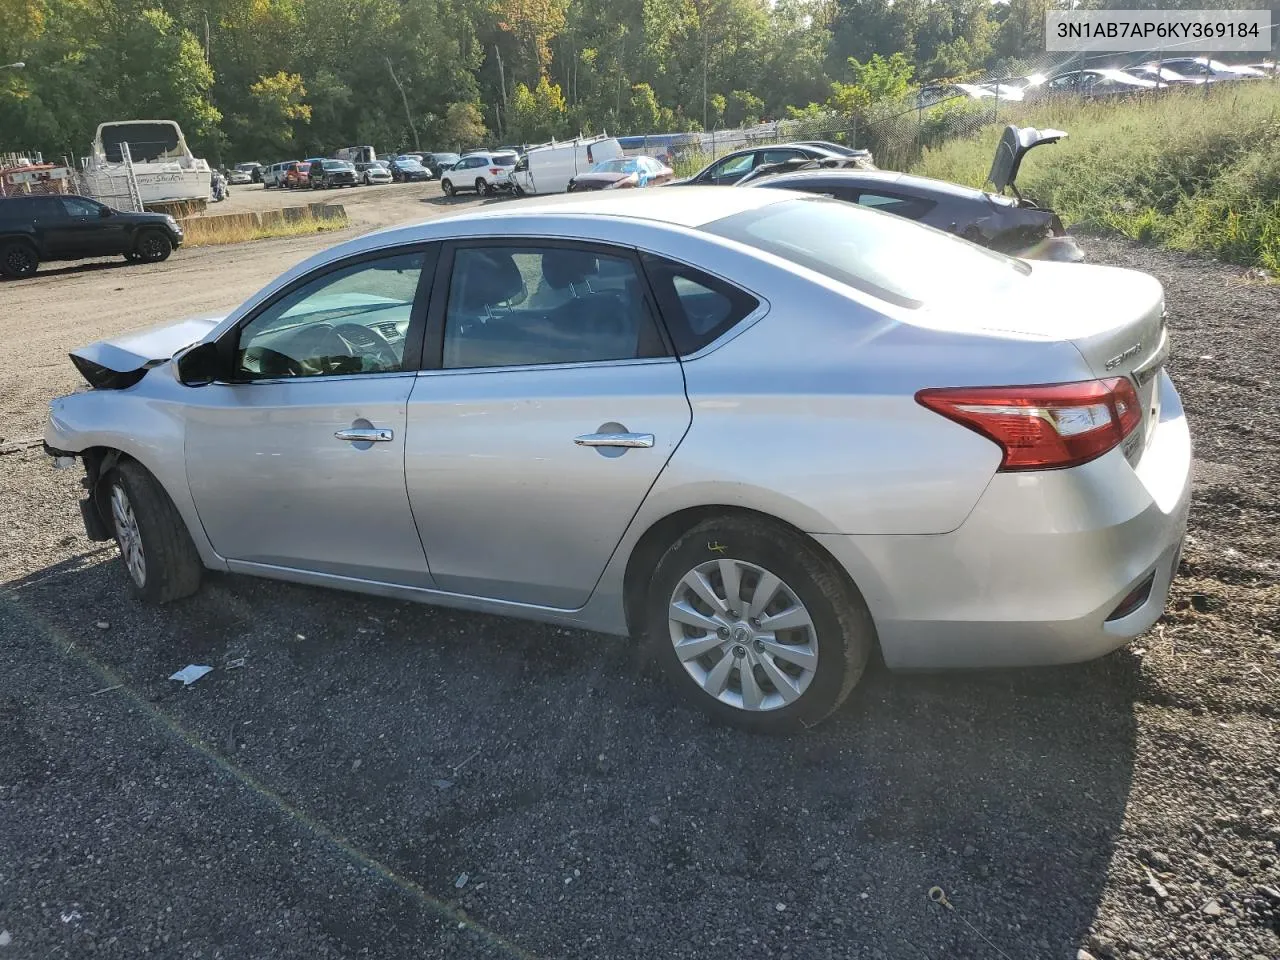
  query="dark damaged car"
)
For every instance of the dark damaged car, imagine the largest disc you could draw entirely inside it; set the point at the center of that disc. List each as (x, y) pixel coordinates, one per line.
(1012, 224)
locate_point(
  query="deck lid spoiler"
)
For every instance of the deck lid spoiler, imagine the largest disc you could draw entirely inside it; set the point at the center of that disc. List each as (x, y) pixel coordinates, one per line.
(122, 362)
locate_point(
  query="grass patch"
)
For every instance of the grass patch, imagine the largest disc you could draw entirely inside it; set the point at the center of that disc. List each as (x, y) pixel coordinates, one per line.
(1189, 170)
(242, 227)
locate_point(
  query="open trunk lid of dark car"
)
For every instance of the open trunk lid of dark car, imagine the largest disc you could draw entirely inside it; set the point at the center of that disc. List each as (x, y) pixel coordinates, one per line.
(1014, 144)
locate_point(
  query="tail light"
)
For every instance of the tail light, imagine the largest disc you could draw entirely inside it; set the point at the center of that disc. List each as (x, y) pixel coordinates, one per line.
(1044, 427)
(495, 170)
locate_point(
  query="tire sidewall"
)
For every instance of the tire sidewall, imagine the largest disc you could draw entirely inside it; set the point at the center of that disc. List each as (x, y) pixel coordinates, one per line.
(797, 565)
(447, 187)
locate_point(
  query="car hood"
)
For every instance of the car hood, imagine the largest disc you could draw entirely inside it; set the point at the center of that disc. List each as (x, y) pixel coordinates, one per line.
(602, 177)
(1014, 144)
(123, 361)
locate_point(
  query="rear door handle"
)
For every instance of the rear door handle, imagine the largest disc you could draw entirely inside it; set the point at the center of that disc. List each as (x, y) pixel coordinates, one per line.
(614, 440)
(367, 434)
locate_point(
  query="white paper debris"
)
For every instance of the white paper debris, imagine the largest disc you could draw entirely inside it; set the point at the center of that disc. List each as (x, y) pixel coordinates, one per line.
(190, 674)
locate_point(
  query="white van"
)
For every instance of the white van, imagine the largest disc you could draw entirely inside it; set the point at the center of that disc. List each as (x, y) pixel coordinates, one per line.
(550, 167)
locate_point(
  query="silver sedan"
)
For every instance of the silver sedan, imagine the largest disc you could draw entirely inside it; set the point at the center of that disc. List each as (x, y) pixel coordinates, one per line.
(764, 432)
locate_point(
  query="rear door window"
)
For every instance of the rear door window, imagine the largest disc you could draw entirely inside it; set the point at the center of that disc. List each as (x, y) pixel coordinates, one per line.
(698, 308)
(531, 305)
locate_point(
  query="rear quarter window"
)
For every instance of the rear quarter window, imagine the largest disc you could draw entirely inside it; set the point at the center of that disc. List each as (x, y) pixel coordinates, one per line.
(698, 308)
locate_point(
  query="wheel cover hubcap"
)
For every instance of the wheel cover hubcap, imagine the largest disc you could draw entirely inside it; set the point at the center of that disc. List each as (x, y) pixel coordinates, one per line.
(128, 536)
(743, 635)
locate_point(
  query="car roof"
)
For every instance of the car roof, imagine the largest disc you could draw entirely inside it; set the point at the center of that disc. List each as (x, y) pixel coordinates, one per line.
(903, 181)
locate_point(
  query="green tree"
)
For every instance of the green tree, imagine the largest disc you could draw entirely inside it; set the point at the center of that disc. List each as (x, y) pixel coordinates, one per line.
(463, 126)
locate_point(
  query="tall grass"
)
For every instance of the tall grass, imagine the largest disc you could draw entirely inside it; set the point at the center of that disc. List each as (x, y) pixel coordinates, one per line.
(1193, 169)
(240, 228)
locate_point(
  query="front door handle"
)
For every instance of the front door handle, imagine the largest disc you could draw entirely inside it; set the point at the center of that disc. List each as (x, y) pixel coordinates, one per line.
(366, 434)
(614, 440)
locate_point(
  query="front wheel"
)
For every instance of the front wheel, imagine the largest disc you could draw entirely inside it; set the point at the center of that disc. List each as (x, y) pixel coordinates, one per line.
(756, 625)
(154, 247)
(159, 558)
(18, 259)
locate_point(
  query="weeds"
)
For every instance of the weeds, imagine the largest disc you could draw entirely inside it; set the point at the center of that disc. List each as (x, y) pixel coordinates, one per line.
(242, 227)
(1191, 170)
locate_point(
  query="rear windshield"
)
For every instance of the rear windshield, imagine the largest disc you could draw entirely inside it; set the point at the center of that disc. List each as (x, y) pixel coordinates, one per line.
(878, 253)
(504, 159)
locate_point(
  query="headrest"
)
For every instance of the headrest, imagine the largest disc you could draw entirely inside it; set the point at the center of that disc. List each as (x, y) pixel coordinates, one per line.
(488, 277)
(561, 268)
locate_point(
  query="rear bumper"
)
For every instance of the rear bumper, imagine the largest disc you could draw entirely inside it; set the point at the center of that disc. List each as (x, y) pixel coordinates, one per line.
(1036, 573)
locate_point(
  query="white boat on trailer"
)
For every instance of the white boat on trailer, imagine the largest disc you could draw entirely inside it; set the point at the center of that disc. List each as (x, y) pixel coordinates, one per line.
(164, 168)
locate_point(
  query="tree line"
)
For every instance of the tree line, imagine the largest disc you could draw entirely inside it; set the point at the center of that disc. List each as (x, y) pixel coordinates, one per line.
(273, 79)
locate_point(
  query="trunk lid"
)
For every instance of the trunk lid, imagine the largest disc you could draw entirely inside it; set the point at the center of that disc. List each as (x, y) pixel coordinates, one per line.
(1014, 144)
(1114, 317)
(121, 362)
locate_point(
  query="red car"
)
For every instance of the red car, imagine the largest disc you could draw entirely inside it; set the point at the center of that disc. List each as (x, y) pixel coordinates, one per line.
(298, 176)
(622, 173)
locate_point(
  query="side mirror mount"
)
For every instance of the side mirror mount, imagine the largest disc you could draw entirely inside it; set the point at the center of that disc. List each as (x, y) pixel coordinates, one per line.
(200, 365)
(105, 212)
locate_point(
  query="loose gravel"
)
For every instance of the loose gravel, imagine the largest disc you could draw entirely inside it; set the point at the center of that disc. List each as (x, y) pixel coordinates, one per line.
(359, 777)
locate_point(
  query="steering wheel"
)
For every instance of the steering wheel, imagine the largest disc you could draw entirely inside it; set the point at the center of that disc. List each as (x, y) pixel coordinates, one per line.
(358, 341)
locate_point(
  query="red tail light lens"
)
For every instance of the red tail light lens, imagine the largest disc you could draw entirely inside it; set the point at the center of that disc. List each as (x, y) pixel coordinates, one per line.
(1044, 427)
(495, 170)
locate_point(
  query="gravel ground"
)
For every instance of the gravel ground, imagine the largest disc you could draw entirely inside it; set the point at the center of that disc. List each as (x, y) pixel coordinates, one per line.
(387, 780)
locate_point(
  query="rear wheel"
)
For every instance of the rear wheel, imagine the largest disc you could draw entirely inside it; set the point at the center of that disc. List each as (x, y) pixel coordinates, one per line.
(447, 187)
(154, 246)
(18, 259)
(482, 186)
(756, 625)
(159, 558)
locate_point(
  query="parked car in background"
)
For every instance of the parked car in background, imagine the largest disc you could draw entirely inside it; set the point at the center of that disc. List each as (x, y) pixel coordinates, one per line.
(406, 168)
(237, 176)
(1014, 225)
(378, 171)
(253, 169)
(356, 155)
(971, 462)
(273, 176)
(297, 175)
(841, 149)
(34, 229)
(327, 174)
(732, 167)
(550, 167)
(438, 163)
(622, 173)
(1210, 69)
(484, 173)
(1092, 83)
(1161, 76)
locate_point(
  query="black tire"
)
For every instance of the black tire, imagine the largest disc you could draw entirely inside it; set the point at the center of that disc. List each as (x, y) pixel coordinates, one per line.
(18, 259)
(171, 565)
(133, 256)
(842, 626)
(482, 187)
(447, 187)
(154, 247)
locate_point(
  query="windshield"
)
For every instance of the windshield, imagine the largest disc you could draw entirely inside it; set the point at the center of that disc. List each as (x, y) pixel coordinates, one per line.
(896, 260)
(623, 165)
(337, 165)
(147, 141)
(246, 167)
(446, 158)
(408, 162)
